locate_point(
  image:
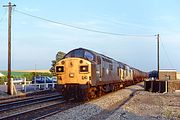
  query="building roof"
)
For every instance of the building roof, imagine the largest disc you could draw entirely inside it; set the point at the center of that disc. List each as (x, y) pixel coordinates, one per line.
(167, 70)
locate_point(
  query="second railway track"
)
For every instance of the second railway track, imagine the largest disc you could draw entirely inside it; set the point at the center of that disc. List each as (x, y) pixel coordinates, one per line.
(10, 105)
(40, 112)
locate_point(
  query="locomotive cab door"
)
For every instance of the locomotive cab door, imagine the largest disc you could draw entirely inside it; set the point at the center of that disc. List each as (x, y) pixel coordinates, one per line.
(121, 74)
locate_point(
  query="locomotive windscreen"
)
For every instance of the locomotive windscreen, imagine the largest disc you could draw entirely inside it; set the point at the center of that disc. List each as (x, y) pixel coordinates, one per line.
(75, 53)
(80, 53)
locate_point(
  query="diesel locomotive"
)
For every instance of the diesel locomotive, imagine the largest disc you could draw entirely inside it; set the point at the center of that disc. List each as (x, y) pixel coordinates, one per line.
(85, 74)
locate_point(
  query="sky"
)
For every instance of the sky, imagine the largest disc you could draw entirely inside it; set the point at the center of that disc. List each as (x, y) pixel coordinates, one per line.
(35, 42)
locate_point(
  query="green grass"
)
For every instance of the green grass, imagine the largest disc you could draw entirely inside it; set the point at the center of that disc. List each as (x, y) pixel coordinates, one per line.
(16, 74)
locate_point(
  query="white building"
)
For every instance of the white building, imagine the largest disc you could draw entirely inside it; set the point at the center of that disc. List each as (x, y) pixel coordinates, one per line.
(1, 75)
(178, 75)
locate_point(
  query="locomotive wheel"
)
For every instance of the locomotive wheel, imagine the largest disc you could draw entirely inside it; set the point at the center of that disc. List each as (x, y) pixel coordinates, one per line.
(92, 93)
(66, 96)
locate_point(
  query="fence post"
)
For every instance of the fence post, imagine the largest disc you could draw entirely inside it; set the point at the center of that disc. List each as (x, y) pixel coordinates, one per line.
(53, 85)
(25, 81)
(14, 91)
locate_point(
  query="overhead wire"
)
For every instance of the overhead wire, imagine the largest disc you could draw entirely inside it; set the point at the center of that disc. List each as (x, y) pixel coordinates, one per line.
(3, 16)
(81, 28)
(166, 54)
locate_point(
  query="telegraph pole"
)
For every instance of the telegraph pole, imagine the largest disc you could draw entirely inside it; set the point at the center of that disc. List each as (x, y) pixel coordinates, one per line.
(10, 84)
(158, 54)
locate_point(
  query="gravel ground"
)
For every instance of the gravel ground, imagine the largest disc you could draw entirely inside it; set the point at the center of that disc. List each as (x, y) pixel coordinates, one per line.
(126, 104)
(158, 105)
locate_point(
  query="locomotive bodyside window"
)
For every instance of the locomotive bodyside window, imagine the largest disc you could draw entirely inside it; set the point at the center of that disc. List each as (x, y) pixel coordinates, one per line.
(110, 67)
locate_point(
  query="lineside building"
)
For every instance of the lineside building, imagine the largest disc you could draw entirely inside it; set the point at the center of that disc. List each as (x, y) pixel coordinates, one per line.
(167, 74)
(178, 75)
(169, 81)
(172, 77)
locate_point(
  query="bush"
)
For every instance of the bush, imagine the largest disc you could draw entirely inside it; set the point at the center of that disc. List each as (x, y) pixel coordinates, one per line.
(2, 80)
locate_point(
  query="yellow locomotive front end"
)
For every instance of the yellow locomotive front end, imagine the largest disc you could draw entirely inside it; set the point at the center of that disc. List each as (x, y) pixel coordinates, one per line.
(73, 71)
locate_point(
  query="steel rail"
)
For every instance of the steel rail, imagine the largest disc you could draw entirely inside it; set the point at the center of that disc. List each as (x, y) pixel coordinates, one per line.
(28, 103)
(26, 114)
(26, 100)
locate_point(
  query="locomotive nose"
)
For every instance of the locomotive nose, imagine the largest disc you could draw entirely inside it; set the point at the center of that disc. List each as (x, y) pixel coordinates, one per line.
(73, 71)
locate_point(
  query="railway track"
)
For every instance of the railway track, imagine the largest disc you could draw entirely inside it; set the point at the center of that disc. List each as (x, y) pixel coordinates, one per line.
(24, 96)
(34, 107)
(11, 105)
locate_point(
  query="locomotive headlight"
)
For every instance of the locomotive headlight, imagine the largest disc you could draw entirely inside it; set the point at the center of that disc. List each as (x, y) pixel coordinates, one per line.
(71, 75)
(84, 68)
(59, 68)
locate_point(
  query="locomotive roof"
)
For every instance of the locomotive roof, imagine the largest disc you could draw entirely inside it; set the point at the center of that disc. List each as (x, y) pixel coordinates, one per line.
(103, 56)
(98, 54)
(93, 52)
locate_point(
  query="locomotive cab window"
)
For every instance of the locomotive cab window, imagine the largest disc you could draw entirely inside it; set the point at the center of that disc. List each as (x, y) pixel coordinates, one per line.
(80, 53)
(75, 53)
(88, 56)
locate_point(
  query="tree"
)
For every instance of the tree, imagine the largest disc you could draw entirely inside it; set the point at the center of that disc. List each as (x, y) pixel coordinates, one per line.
(59, 56)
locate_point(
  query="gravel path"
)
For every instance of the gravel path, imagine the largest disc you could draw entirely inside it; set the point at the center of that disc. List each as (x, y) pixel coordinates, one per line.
(131, 103)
